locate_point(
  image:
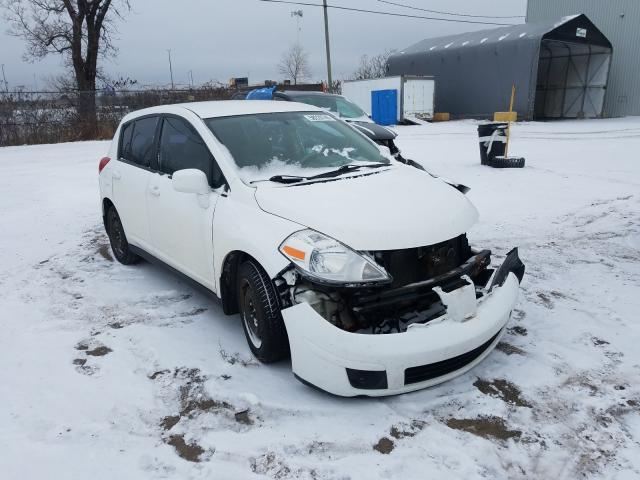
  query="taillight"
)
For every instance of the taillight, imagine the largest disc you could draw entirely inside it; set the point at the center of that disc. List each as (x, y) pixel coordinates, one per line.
(103, 163)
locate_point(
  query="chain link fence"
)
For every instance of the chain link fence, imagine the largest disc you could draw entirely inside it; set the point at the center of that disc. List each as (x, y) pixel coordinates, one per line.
(53, 117)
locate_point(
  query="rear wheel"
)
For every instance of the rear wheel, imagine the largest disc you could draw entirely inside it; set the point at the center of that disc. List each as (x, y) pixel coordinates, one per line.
(118, 239)
(260, 313)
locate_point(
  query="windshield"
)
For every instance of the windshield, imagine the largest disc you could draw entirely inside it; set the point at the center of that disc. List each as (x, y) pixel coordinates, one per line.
(299, 144)
(333, 103)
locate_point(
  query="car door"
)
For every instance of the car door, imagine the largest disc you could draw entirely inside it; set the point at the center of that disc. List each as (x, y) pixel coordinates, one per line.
(181, 226)
(131, 174)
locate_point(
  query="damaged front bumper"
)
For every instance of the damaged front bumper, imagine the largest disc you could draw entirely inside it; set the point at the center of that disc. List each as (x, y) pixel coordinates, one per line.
(355, 364)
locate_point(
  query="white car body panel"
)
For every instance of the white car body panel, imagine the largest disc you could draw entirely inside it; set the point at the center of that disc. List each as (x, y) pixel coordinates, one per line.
(181, 229)
(320, 352)
(331, 207)
(130, 184)
(239, 225)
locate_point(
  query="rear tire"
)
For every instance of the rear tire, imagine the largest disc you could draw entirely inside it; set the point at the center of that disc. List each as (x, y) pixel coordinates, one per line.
(118, 239)
(260, 314)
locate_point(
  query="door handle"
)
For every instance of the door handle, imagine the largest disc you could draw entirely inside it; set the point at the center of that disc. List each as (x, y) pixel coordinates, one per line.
(154, 190)
(116, 175)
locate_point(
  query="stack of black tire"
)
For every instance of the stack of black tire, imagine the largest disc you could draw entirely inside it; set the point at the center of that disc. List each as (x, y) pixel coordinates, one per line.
(493, 141)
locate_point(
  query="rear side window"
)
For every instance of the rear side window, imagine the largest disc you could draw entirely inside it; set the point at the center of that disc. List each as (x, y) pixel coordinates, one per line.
(142, 148)
(181, 147)
(125, 142)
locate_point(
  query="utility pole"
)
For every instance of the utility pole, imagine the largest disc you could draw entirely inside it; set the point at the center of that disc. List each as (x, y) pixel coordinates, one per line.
(326, 38)
(4, 79)
(173, 87)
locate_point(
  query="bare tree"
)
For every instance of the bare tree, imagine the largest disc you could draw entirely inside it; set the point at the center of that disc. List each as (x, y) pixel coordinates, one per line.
(295, 64)
(373, 67)
(79, 30)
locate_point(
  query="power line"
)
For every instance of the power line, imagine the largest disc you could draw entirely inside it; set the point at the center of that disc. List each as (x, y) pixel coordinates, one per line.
(391, 14)
(447, 13)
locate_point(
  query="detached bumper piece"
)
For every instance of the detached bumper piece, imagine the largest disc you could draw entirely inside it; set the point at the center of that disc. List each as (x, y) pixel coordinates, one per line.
(511, 264)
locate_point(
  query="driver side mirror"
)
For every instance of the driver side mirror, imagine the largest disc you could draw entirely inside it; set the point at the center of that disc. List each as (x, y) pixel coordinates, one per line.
(190, 180)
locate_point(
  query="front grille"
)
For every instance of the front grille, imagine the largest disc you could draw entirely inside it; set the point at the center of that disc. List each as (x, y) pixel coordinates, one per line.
(438, 369)
(413, 265)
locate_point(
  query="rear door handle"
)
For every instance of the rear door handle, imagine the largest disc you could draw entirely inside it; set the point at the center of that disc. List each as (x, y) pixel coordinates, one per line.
(116, 175)
(154, 190)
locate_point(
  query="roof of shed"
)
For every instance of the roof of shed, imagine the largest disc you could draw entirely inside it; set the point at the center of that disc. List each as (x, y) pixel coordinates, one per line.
(488, 37)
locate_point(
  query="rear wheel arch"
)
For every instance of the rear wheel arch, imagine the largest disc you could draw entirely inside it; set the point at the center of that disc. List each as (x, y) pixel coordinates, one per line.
(106, 205)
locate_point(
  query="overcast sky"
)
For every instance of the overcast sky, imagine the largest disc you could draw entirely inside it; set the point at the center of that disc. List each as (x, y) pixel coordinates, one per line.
(219, 39)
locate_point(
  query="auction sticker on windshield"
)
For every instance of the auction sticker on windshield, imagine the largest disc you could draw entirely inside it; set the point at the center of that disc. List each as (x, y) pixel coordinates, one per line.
(320, 118)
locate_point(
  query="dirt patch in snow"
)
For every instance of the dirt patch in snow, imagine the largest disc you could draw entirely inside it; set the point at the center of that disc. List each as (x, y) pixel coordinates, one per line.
(100, 351)
(510, 349)
(518, 330)
(502, 389)
(236, 358)
(269, 464)
(385, 446)
(105, 252)
(189, 451)
(545, 300)
(489, 427)
(407, 430)
(194, 400)
(243, 417)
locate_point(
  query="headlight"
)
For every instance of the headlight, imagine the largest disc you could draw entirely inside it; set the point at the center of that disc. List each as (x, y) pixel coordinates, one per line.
(326, 260)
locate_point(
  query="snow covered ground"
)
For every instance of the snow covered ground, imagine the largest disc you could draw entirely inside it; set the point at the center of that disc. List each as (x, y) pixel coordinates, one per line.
(114, 372)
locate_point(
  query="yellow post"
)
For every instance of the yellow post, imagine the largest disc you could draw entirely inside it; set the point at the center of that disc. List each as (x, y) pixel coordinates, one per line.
(513, 95)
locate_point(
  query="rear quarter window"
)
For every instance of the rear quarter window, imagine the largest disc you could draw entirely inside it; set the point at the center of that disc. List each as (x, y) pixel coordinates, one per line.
(142, 149)
(125, 141)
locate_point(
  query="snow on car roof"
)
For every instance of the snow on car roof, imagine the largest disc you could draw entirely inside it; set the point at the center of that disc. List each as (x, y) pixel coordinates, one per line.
(228, 108)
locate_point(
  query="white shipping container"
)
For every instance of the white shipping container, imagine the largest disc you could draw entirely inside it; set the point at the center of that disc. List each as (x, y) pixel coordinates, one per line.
(415, 95)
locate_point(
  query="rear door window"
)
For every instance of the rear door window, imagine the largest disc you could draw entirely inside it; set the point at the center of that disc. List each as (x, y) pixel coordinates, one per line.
(125, 141)
(141, 147)
(182, 147)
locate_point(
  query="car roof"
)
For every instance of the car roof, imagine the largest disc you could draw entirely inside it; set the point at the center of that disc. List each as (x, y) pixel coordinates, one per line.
(301, 93)
(227, 108)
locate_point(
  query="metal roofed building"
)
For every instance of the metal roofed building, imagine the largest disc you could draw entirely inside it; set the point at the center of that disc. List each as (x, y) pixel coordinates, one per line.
(560, 69)
(619, 20)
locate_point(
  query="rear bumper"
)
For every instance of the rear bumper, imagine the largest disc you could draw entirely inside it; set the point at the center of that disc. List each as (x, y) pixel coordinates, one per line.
(335, 360)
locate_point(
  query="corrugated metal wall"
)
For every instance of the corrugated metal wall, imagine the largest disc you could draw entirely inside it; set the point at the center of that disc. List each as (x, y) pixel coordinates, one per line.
(619, 20)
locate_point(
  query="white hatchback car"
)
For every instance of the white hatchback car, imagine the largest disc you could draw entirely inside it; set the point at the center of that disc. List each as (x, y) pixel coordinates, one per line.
(355, 264)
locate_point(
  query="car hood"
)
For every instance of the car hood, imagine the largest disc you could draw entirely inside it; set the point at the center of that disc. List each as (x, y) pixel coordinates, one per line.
(395, 208)
(373, 130)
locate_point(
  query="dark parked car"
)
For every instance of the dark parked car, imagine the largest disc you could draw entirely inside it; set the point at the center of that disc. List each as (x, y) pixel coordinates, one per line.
(348, 111)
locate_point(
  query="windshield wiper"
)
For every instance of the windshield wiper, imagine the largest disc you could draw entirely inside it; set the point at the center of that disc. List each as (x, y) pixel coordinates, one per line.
(345, 169)
(286, 179)
(333, 173)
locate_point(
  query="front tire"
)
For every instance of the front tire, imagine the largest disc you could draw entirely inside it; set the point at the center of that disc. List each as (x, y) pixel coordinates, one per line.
(260, 314)
(118, 239)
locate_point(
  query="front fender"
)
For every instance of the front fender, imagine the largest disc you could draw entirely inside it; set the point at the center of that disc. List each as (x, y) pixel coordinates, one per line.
(240, 225)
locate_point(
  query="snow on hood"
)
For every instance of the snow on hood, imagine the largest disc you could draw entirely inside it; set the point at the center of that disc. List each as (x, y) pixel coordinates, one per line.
(395, 208)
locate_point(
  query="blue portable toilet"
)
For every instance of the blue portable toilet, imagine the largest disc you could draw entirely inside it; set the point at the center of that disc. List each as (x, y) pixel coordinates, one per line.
(384, 107)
